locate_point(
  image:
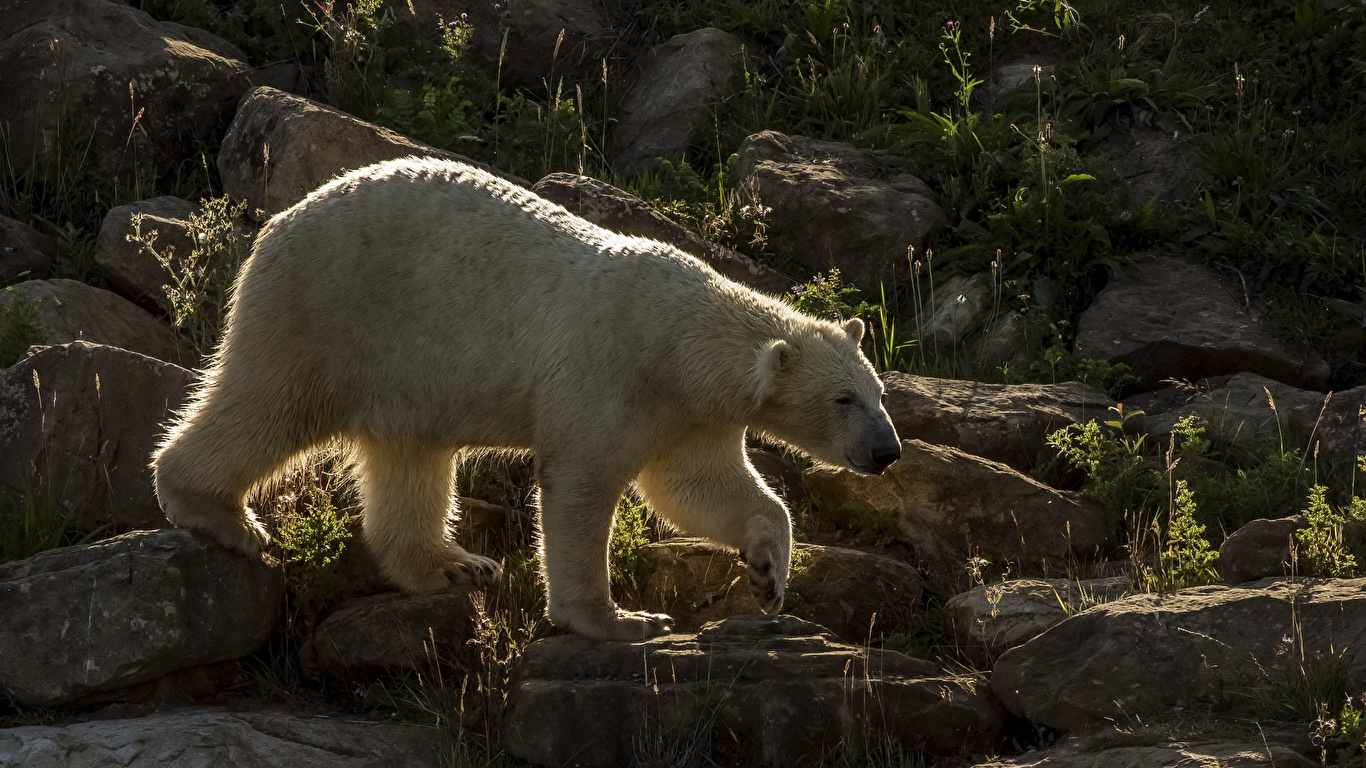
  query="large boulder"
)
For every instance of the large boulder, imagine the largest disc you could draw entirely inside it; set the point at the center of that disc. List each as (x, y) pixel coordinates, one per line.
(1153, 164)
(990, 619)
(770, 691)
(1255, 752)
(25, 253)
(1337, 433)
(86, 623)
(952, 506)
(1241, 413)
(671, 99)
(835, 205)
(843, 590)
(105, 83)
(79, 421)
(280, 147)
(1167, 318)
(1009, 423)
(1199, 648)
(620, 211)
(1260, 549)
(136, 273)
(201, 737)
(543, 46)
(72, 311)
(389, 633)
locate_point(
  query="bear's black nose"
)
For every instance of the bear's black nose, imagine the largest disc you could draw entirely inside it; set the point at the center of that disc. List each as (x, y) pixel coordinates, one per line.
(885, 456)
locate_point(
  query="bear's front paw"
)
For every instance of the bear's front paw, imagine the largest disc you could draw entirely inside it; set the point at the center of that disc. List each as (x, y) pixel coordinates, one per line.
(767, 577)
(473, 570)
(621, 625)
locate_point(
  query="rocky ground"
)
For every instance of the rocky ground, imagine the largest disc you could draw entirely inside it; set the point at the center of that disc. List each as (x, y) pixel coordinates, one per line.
(1131, 541)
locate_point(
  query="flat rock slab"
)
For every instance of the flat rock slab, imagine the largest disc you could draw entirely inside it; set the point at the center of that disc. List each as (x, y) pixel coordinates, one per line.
(79, 421)
(214, 738)
(624, 213)
(1185, 754)
(842, 590)
(1168, 318)
(1197, 648)
(771, 691)
(951, 506)
(82, 623)
(1009, 423)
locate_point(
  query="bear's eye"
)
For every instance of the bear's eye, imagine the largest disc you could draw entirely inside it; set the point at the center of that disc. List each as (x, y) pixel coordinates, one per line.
(844, 400)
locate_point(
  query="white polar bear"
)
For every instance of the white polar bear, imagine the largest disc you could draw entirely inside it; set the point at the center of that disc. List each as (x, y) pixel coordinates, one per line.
(419, 307)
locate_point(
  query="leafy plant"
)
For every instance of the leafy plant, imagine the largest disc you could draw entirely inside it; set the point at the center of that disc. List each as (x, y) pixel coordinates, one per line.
(19, 328)
(1328, 545)
(197, 298)
(628, 536)
(1186, 560)
(313, 540)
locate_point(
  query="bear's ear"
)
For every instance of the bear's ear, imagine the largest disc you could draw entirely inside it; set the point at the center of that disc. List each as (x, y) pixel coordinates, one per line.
(772, 357)
(854, 330)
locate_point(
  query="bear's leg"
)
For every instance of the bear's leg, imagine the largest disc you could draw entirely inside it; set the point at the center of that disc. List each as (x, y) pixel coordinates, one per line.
(228, 442)
(705, 486)
(407, 493)
(577, 511)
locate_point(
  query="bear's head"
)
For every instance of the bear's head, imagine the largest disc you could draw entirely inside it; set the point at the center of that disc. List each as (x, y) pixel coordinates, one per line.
(819, 393)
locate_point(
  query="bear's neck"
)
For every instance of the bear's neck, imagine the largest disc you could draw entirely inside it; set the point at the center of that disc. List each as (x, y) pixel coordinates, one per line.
(718, 360)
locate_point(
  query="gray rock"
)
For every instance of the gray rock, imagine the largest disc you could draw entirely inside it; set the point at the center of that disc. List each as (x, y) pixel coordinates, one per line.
(963, 306)
(72, 311)
(1336, 433)
(1167, 318)
(1236, 413)
(989, 620)
(309, 144)
(777, 690)
(696, 582)
(25, 253)
(623, 212)
(84, 622)
(835, 205)
(86, 429)
(390, 633)
(1197, 648)
(952, 506)
(1260, 549)
(202, 737)
(1009, 423)
(1153, 163)
(110, 63)
(671, 99)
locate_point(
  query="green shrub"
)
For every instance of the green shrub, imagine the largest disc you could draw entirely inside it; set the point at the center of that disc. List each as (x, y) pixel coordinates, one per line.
(19, 328)
(1334, 537)
(201, 281)
(1186, 559)
(313, 540)
(628, 536)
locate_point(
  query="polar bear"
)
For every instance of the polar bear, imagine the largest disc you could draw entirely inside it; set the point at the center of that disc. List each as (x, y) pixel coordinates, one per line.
(419, 307)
